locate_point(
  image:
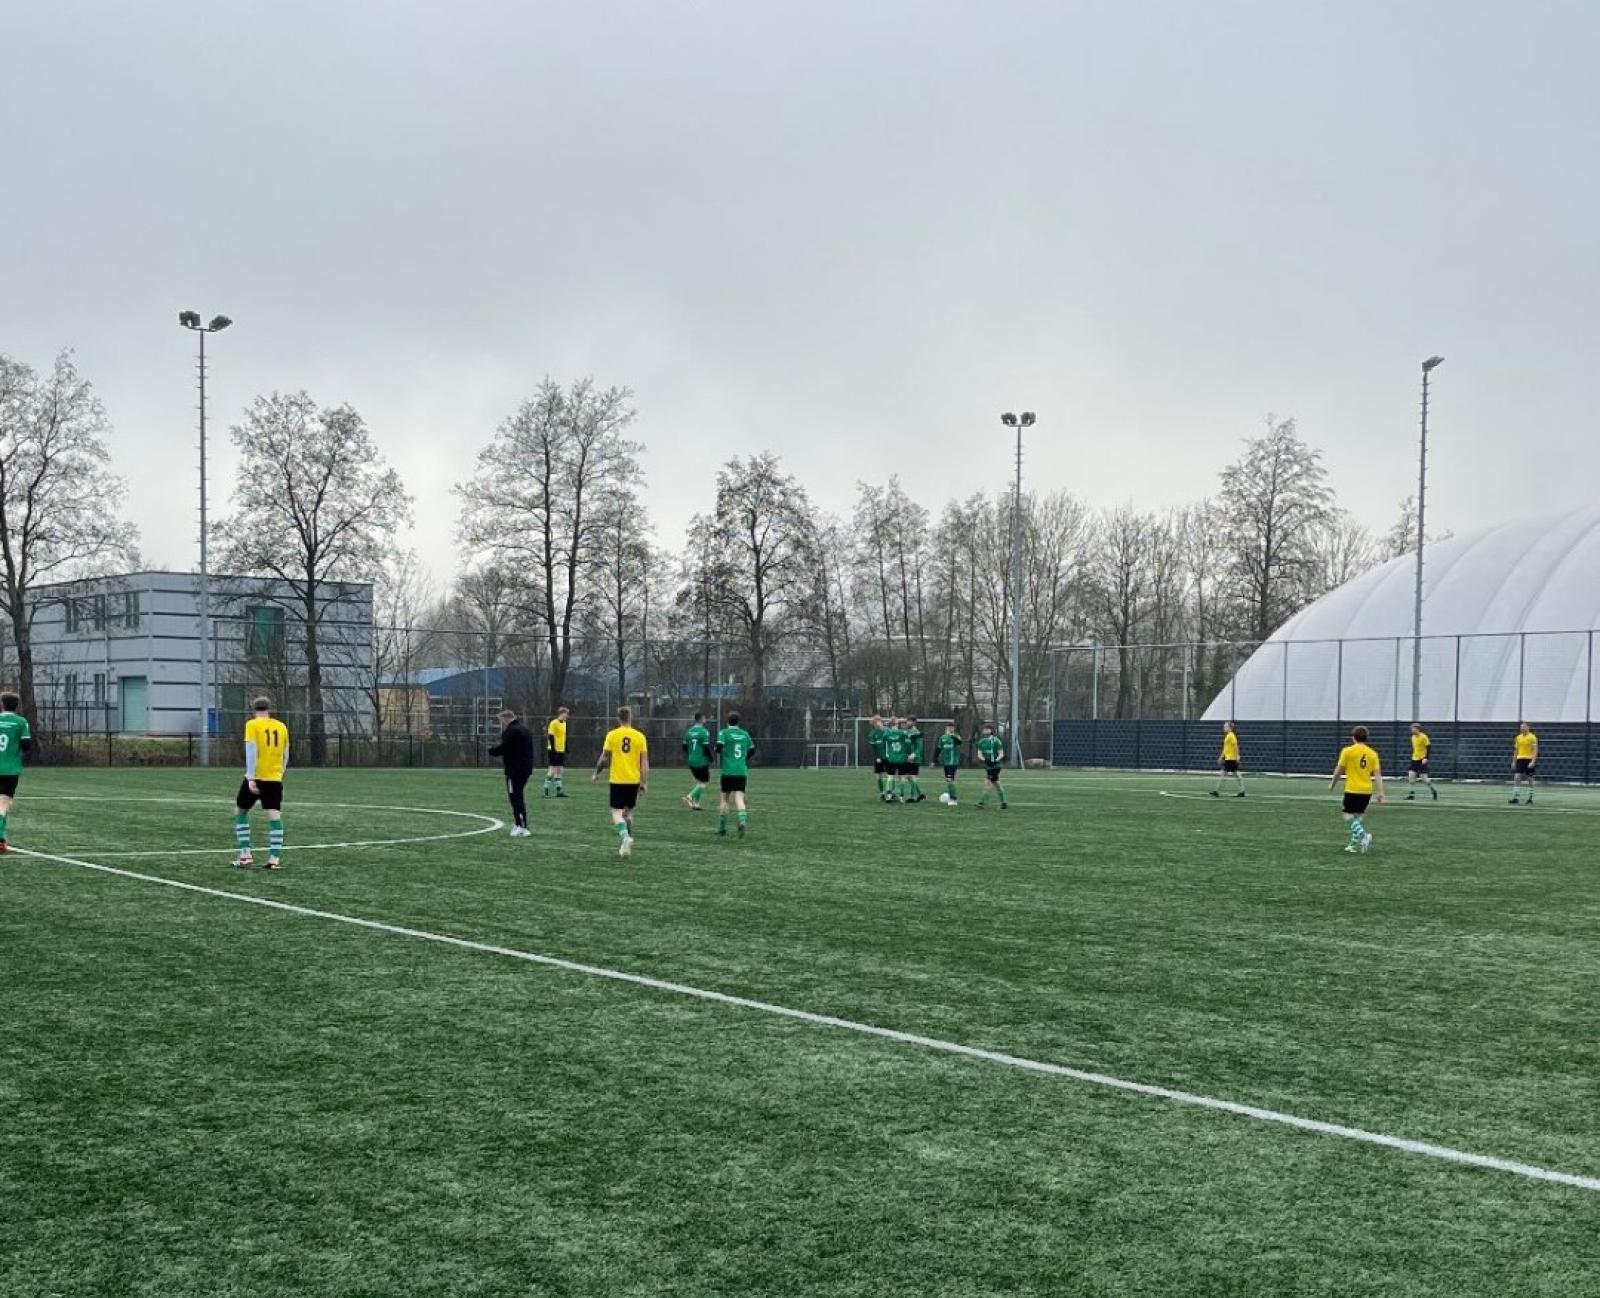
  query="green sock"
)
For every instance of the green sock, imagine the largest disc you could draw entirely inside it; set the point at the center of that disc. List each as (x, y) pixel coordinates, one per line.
(983, 798)
(560, 784)
(1002, 797)
(241, 831)
(275, 836)
(1356, 832)
(722, 823)
(744, 817)
(950, 788)
(622, 829)
(3, 819)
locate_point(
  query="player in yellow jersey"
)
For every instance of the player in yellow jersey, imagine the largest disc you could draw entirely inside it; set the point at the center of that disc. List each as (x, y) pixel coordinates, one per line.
(1524, 762)
(629, 756)
(1228, 761)
(1363, 774)
(1418, 770)
(266, 757)
(555, 754)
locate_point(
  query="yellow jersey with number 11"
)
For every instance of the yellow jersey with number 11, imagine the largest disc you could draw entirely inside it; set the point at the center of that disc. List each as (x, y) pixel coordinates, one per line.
(271, 752)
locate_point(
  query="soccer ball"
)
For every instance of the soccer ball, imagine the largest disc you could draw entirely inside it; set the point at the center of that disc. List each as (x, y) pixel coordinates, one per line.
(944, 799)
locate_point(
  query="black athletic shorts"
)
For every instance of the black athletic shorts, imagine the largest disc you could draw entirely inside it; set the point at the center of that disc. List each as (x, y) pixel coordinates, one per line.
(553, 758)
(1525, 765)
(702, 774)
(8, 785)
(992, 774)
(734, 783)
(911, 769)
(1231, 766)
(624, 797)
(879, 766)
(270, 797)
(950, 772)
(1419, 766)
(1356, 803)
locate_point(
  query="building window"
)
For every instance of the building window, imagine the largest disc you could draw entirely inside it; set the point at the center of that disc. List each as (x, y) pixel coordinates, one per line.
(69, 688)
(130, 609)
(266, 632)
(100, 689)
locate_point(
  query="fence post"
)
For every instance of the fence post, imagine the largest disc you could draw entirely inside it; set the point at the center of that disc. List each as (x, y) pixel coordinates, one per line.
(1455, 711)
(1522, 666)
(1233, 694)
(1338, 688)
(1187, 650)
(1094, 688)
(1588, 709)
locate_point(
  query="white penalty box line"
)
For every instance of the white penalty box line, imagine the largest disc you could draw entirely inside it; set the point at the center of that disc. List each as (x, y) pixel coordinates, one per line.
(1421, 1148)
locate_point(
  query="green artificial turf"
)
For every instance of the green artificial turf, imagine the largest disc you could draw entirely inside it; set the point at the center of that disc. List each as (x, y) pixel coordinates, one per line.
(199, 1097)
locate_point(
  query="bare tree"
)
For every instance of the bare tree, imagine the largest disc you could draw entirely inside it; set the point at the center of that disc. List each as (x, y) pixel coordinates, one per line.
(402, 594)
(624, 559)
(534, 502)
(58, 496)
(762, 564)
(1121, 589)
(1276, 500)
(1343, 550)
(314, 505)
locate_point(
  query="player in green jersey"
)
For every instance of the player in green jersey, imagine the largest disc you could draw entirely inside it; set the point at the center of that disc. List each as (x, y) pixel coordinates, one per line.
(734, 746)
(991, 752)
(880, 768)
(948, 750)
(894, 759)
(16, 738)
(697, 757)
(914, 753)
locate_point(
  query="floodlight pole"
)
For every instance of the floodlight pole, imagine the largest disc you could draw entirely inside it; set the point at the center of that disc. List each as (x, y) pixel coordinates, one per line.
(1428, 366)
(191, 321)
(1019, 423)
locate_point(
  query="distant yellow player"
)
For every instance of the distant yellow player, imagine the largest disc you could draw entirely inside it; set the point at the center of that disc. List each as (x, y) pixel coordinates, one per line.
(266, 757)
(555, 754)
(1524, 763)
(1418, 770)
(1363, 773)
(1228, 761)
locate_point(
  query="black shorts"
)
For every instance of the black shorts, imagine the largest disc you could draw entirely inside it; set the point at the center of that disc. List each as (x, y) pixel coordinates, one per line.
(270, 797)
(702, 774)
(1525, 765)
(1230, 766)
(624, 797)
(992, 774)
(1419, 766)
(950, 772)
(1356, 803)
(911, 768)
(879, 766)
(734, 783)
(553, 758)
(8, 785)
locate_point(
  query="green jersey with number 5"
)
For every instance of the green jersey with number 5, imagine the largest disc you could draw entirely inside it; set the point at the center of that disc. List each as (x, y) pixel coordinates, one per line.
(13, 730)
(734, 745)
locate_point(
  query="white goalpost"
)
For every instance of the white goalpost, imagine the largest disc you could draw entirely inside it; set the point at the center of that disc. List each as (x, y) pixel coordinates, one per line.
(834, 755)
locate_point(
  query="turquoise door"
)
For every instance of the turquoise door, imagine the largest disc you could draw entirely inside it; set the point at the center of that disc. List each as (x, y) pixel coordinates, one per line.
(135, 704)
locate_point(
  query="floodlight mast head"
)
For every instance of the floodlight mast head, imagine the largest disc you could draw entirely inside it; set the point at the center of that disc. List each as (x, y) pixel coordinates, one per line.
(189, 319)
(1008, 419)
(1432, 363)
(1027, 419)
(218, 324)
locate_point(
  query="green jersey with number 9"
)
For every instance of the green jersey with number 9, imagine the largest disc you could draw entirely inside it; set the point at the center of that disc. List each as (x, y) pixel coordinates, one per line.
(734, 745)
(13, 730)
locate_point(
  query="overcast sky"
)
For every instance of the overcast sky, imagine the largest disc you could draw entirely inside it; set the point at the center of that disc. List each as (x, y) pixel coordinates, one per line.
(851, 233)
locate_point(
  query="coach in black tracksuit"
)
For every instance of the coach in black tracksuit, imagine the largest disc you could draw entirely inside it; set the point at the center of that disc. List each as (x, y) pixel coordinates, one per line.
(515, 751)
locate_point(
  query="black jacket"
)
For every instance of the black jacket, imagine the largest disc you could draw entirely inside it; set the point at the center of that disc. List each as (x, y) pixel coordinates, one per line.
(515, 749)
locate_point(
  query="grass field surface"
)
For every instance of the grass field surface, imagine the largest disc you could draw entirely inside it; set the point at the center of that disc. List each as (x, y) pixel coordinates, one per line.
(204, 1097)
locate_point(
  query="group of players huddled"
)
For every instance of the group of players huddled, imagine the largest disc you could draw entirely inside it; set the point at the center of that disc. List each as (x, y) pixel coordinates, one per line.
(898, 746)
(1362, 772)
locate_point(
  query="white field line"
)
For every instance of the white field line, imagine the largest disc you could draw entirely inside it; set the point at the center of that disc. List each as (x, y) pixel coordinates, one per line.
(487, 825)
(1422, 1148)
(1433, 808)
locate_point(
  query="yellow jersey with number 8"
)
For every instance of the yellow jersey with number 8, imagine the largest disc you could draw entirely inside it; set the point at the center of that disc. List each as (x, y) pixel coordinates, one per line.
(627, 747)
(1360, 765)
(271, 738)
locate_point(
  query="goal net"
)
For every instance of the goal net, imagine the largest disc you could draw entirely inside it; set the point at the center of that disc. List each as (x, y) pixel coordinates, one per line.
(835, 755)
(931, 727)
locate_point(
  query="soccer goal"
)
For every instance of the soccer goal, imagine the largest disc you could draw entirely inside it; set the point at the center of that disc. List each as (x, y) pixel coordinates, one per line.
(829, 755)
(931, 727)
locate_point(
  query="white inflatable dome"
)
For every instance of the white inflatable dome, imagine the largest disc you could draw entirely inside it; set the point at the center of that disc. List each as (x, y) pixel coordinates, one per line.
(1509, 616)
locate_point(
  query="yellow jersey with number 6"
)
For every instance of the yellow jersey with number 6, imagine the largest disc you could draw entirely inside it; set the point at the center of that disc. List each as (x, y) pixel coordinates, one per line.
(1360, 765)
(271, 738)
(627, 747)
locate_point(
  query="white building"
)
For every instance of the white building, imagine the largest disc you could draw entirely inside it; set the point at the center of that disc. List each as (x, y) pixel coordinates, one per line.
(123, 654)
(1510, 619)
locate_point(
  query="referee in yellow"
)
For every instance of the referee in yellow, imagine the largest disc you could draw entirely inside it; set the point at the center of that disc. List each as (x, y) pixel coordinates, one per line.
(555, 753)
(266, 757)
(629, 756)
